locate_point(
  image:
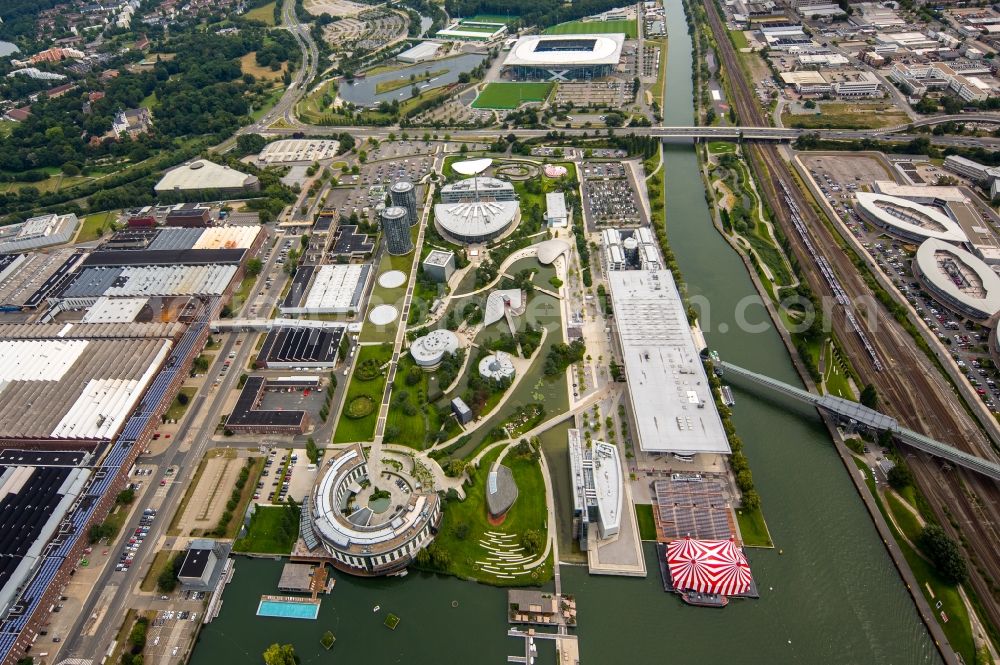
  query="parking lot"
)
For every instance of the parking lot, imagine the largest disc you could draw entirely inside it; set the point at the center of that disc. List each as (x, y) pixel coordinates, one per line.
(839, 179)
(297, 481)
(609, 197)
(135, 541)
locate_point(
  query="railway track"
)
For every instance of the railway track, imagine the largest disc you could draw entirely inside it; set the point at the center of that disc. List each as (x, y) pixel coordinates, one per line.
(910, 386)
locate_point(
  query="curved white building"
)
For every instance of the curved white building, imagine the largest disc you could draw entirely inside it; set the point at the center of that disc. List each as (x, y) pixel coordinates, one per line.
(429, 350)
(958, 279)
(364, 542)
(550, 250)
(498, 302)
(497, 366)
(477, 209)
(907, 219)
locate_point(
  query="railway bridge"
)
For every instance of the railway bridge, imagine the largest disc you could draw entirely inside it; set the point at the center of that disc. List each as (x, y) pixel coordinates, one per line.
(858, 414)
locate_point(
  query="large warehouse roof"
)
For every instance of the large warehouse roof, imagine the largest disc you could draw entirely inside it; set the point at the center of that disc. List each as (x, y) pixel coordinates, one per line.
(337, 288)
(671, 398)
(566, 50)
(73, 388)
(202, 174)
(145, 281)
(960, 276)
(909, 218)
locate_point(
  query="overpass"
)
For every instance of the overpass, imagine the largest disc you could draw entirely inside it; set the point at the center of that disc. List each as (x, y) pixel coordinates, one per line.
(859, 414)
(265, 325)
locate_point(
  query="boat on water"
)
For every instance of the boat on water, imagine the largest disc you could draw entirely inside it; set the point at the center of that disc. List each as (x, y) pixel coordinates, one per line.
(727, 396)
(376, 608)
(704, 599)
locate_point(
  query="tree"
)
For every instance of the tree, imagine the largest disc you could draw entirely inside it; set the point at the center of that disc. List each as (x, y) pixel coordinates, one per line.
(531, 541)
(899, 476)
(279, 654)
(254, 267)
(751, 500)
(312, 452)
(125, 497)
(250, 143)
(944, 553)
(869, 396)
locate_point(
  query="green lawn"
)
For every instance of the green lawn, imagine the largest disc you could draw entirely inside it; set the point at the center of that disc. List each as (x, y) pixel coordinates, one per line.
(93, 225)
(958, 627)
(264, 14)
(491, 18)
(177, 410)
(753, 528)
(644, 518)
(363, 429)
(383, 296)
(412, 429)
(720, 147)
(272, 531)
(6, 126)
(528, 512)
(511, 95)
(594, 28)
(739, 39)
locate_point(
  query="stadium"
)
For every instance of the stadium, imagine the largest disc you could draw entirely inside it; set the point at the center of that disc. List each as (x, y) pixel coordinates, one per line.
(564, 57)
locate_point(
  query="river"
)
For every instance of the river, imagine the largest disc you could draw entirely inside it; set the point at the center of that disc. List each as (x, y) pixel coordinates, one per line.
(833, 596)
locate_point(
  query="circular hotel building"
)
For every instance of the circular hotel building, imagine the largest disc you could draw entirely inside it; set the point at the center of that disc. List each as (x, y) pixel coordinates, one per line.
(362, 535)
(958, 279)
(907, 219)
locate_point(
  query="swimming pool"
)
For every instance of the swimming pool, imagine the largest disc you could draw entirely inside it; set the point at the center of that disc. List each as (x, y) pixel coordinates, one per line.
(287, 609)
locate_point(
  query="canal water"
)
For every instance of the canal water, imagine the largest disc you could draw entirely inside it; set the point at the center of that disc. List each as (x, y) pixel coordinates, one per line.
(833, 596)
(362, 90)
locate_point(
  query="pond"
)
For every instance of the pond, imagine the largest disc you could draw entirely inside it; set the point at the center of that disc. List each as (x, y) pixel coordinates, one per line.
(362, 90)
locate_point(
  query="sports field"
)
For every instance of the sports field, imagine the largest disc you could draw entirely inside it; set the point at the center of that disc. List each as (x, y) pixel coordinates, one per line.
(511, 95)
(594, 28)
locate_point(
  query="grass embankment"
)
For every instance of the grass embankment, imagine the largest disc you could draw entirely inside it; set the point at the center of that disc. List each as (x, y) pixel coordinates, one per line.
(844, 115)
(739, 39)
(511, 95)
(656, 90)
(626, 26)
(272, 530)
(943, 598)
(465, 523)
(753, 528)
(644, 518)
(359, 425)
(390, 85)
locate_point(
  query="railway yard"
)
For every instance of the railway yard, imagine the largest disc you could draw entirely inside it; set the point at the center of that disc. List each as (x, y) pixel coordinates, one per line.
(910, 385)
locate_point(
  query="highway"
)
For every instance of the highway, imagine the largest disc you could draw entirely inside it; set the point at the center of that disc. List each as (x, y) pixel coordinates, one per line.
(910, 386)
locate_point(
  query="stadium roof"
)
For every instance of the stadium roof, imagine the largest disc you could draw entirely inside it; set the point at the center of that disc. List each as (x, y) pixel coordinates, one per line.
(548, 50)
(959, 275)
(708, 566)
(671, 398)
(910, 218)
(202, 174)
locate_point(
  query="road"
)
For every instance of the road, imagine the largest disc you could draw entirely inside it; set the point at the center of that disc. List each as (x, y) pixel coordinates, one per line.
(910, 387)
(193, 438)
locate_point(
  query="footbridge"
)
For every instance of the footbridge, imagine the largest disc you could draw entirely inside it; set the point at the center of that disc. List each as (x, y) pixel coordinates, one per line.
(266, 325)
(846, 410)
